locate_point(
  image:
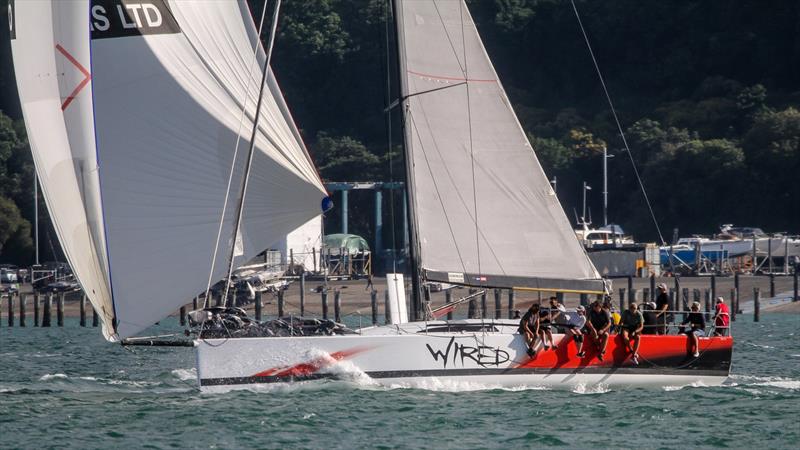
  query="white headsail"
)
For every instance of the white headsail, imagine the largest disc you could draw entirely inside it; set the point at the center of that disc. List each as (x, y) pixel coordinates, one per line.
(50, 46)
(485, 212)
(168, 84)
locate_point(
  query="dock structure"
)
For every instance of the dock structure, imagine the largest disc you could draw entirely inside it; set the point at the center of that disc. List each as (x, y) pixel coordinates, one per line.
(344, 188)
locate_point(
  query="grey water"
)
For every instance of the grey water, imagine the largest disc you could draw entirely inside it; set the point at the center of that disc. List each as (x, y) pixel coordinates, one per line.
(67, 387)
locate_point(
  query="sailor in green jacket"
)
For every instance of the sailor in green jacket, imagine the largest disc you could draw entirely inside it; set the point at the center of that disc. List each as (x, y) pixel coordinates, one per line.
(632, 325)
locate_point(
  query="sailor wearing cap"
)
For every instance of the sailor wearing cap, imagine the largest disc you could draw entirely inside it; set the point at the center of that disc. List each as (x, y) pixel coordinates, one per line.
(575, 325)
(662, 305)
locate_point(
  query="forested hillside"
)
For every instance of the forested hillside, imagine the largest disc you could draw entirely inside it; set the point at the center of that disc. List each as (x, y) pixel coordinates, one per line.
(707, 92)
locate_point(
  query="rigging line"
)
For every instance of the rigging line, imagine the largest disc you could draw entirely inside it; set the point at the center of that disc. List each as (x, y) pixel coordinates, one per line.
(235, 153)
(471, 146)
(246, 177)
(439, 195)
(452, 47)
(389, 135)
(455, 185)
(619, 125)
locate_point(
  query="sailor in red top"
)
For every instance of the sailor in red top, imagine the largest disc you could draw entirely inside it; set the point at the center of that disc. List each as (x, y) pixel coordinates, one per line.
(722, 318)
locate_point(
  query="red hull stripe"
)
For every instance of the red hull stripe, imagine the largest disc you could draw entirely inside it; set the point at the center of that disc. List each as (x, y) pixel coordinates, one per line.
(307, 368)
(652, 348)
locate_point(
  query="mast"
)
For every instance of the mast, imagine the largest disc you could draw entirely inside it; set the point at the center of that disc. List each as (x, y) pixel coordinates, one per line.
(251, 151)
(413, 248)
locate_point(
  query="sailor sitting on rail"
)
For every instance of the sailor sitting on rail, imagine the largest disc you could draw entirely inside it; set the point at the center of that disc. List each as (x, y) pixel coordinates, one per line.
(575, 324)
(631, 330)
(529, 327)
(598, 324)
(698, 327)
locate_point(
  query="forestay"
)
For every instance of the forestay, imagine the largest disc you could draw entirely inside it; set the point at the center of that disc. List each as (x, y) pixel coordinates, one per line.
(169, 80)
(485, 212)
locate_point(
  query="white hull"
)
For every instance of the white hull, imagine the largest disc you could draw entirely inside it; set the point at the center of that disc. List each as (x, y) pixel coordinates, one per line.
(778, 247)
(403, 356)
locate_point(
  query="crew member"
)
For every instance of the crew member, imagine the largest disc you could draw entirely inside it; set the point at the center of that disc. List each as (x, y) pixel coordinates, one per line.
(662, 305)
(697, 327)
(529, 328)
(598, 324)
(722, 318)
(632, 325)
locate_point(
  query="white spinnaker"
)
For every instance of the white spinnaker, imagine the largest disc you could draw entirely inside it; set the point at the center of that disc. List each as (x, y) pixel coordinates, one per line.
(47, 50)
(167, 109)
(456, 110)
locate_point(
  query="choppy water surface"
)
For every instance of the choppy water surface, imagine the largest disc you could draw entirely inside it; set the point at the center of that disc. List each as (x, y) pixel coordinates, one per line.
(67, 387)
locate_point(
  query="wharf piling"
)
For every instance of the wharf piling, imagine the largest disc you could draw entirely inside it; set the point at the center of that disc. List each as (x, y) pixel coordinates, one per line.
(324, 298)
(511, 303)
(622, 298)
(713, 289)
(387, 315)
(83, 311)
(796, 297)
(60, 310)
(484, 305)
(35, 309)
(337, 306)
(652, 288)
(756, 304)
(498, 304)
(771, 285)
(708, 300)
(181, 314)
(738, 290)
(302, 294)
(281, 303)
(632, 294)
(448, 298)
(10, 310)
(373, 298)
(95, 318)
(23, 300)
(47, 316)
(473, 306)
(584, 300)
(646, 294)
(733, 304)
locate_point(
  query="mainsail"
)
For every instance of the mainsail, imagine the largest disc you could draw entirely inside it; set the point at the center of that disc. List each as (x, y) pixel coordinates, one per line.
(169, 81)
(484, 211)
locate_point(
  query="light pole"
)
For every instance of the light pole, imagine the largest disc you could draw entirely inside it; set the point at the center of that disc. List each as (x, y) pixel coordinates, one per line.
(586, 187)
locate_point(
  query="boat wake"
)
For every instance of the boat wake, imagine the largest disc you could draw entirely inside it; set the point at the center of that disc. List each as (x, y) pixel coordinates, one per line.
(778, 382)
